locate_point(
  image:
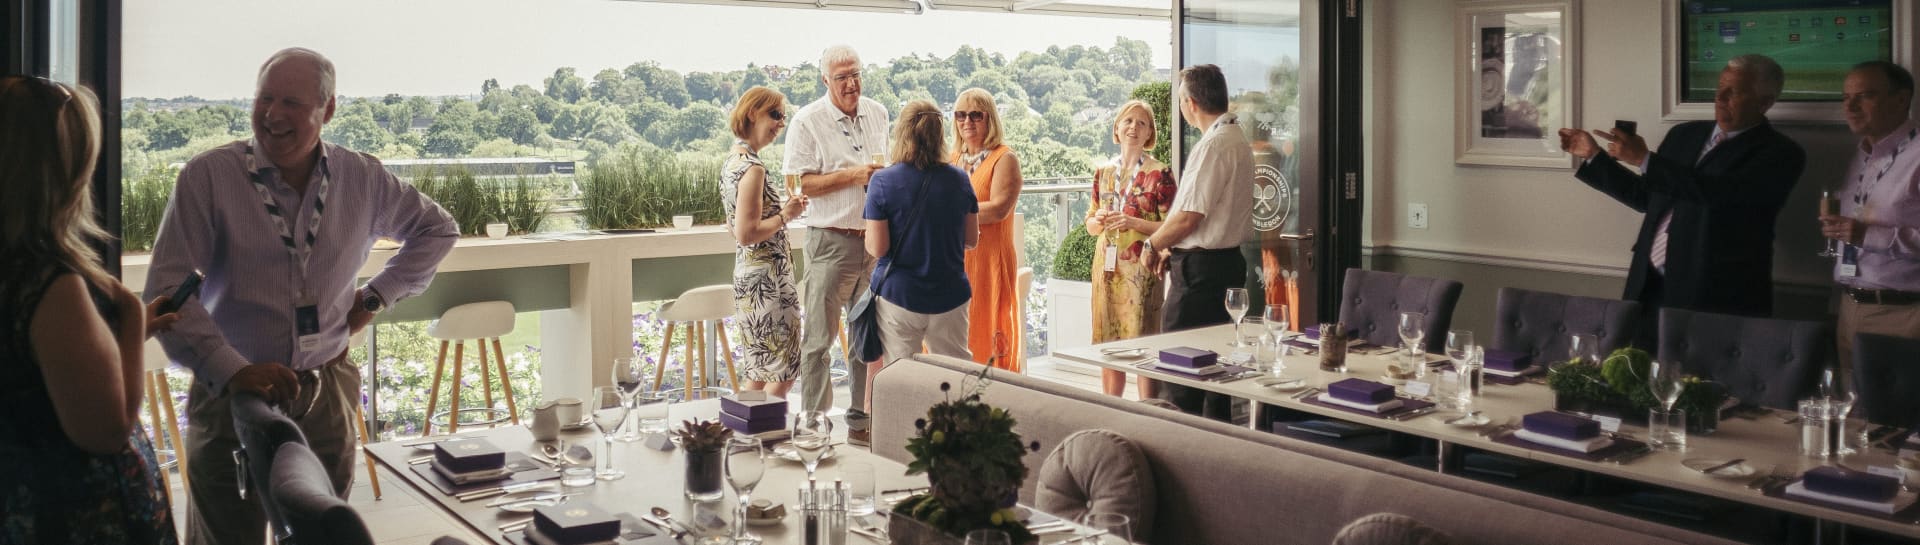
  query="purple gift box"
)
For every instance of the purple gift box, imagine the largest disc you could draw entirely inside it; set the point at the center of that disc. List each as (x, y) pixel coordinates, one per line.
(1360, 391)
(774, 408)
(1508, 360)
(1858, 485)
(752, 427)
(1313, 332)
(576, 522)
(469, 455)
(1561, 425)
(1189, 357)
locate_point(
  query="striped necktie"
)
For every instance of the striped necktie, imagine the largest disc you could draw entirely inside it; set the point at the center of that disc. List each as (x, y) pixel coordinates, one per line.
(1659, 253)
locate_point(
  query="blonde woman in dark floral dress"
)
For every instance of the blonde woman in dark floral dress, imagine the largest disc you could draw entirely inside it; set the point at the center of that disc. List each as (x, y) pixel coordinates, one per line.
(78, 466)
(766, 305)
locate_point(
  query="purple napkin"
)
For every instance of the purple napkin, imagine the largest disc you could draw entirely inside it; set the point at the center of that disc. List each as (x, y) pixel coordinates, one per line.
(1189, 357)
(1857, 485)
(1360, 391)
(1561, 425)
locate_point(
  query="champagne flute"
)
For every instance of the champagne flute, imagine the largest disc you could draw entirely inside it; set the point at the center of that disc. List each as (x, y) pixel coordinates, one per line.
(796, 189)
(877, 159)
(609, 410)
(1829, 206)
(746, 463)
(1237, 306)
(1412, 330)
(812, 436)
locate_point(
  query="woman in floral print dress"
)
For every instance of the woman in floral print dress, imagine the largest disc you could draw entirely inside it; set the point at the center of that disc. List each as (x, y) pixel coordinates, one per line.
(1131, 195)
(766, 305)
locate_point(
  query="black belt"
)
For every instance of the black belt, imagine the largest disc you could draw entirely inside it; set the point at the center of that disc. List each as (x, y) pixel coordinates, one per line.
(1882, 297)
(1203, 251)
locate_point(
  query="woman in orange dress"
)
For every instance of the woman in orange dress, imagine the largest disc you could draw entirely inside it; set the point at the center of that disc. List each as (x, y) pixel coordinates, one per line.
(1131, 194)
(994, 328)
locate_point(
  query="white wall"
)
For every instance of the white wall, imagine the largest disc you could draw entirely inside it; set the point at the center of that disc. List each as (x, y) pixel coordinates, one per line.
(1539, 217)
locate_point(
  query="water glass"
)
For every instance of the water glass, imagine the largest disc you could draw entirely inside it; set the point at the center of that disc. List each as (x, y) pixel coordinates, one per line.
(988, 537)
(859, 479)
(1277, 319)
(1412, 331)
(576, 476)
(1237, 306)
(746, 464)
(609, 410)
(812, 435)
(650, 410)
(1667, 430)
(1446, 389)
(631, 377)
(1815, 421)
(1250, 335)
(1113, 527)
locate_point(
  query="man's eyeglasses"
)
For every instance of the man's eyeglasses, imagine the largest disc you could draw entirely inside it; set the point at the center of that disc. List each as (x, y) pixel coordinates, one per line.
(976, 116)
(843, 78)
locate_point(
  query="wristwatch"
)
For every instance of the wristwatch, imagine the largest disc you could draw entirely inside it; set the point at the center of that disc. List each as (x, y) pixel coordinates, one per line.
(371, 302)
(1146, 246)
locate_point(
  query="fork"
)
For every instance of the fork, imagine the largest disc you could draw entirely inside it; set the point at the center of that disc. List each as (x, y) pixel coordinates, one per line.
(1307, 392)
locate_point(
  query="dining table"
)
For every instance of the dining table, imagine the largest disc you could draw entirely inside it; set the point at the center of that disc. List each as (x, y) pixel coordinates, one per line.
(655, 476)
(1767, 442)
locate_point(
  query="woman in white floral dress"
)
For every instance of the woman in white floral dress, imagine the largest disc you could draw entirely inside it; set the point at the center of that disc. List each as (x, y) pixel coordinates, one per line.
(766, 306)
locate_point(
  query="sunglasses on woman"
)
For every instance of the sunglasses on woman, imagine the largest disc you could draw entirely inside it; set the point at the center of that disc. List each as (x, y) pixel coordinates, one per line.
(963, 115)
(776, 115)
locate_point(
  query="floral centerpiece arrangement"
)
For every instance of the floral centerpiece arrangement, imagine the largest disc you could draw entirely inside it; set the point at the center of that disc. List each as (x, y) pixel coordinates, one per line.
(972, 458)
(1618, 387)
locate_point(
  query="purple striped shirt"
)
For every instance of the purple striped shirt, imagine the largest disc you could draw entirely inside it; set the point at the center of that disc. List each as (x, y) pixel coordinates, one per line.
(1885, 179)
(216, 223)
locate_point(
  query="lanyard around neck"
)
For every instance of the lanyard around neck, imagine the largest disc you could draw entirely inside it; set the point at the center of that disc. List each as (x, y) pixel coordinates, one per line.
(1866, 188)
(300, 255)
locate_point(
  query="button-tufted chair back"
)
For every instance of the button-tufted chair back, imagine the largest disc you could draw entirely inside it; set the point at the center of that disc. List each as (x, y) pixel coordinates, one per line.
(1371, 303)
(1886, 373)
(1762, 361)
(1543, 324)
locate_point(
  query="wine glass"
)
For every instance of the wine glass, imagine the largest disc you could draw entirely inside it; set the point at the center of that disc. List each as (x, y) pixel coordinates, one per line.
(1664, 381)
(1412, 330)
(1459, 347)
(1584, 349)
(609, 410)
(812, 436)
(1107, 524)
(988, 536)
(1276, 317)
(1829, 206)
(746, 463)
(630, 377)
(1237, 305)
(796, 189)
(1833, 387)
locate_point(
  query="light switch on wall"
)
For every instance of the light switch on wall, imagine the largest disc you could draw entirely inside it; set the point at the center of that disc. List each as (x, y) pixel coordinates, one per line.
(1417, 215)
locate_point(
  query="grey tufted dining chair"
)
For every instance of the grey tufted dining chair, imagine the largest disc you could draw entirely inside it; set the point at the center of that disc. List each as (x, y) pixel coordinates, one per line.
(1371, 303)
(1542, 323)
(1762, 361)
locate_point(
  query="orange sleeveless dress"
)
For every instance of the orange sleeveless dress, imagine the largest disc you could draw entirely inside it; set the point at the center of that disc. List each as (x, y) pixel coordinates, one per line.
(994, 328)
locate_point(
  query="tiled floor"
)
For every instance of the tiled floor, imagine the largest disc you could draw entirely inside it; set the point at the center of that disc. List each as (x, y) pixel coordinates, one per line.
(400, 517)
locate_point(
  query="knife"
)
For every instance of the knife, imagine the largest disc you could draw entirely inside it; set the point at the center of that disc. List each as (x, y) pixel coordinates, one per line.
(515, 526)
(1307, 392)
(503, 502)
(1410, 415)
(502, 489)
(1730, 463)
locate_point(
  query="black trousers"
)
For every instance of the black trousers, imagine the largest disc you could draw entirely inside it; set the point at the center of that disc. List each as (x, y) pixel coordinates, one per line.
(1196, 298)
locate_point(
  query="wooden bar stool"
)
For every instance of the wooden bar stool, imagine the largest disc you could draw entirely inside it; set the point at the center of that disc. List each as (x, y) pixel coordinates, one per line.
(360, 419)
(696, 307)
(159, 395)
(479, 322)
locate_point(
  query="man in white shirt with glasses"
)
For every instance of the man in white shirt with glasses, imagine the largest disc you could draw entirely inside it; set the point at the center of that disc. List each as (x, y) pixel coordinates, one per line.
(835, 144)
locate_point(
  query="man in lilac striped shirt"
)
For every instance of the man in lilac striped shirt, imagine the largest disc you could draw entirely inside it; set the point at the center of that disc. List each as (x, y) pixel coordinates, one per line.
(1879, 268)
(280, 226)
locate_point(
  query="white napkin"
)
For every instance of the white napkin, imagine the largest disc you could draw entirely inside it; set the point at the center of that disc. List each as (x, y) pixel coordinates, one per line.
(1369, 407)
(1584, 445)
(1898, 503)
(1201, 371)
(1528, 370)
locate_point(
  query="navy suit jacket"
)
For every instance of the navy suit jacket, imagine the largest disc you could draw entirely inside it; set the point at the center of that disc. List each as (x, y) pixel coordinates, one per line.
(1720, 244)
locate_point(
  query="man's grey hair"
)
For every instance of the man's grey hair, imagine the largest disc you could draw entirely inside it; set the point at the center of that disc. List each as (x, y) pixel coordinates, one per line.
(1767, 73)
(837, 54)
(320, 62)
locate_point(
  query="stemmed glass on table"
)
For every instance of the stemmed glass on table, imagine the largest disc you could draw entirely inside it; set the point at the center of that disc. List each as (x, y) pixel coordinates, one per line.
(1840, 399)
(746, 463)
(629, 375)
(1665, 382)
(1585, 349)
(609, 410)
(1460, 350)
(1413, 329)
(1237, 306)
(1275, 316)
(812, 436)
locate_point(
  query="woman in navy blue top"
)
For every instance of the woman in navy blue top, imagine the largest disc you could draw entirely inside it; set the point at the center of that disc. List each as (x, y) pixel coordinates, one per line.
(921, 276)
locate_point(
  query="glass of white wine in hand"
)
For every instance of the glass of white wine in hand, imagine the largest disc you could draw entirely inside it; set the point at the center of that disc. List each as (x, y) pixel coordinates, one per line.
(796, 189)
(1829, 206)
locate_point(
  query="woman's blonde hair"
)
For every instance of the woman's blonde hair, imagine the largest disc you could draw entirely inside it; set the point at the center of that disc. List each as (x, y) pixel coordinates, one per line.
(757, 99)
(918, 138)
(978, 99)
(1153, 137)
(49, 142)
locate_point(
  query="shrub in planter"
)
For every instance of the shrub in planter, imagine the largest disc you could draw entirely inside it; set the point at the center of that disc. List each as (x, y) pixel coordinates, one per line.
(1074, 261)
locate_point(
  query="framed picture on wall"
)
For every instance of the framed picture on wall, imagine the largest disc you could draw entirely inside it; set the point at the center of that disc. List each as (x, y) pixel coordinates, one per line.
(1516, 82)
(1815, 42)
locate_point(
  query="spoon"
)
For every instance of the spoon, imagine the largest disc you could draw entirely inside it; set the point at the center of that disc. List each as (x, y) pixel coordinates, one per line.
(675, 527)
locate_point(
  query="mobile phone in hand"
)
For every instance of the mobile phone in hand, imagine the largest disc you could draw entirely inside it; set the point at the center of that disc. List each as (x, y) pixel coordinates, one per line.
(1626, 127)
(188, 288)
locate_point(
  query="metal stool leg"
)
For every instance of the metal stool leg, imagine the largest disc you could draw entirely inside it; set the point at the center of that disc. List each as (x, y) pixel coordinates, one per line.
(433, 395)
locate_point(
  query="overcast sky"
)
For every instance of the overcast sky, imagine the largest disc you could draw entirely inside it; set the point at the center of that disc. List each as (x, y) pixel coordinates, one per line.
(211, 48)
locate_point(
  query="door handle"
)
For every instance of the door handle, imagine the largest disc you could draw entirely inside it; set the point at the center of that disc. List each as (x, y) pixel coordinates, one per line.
(1307, 236)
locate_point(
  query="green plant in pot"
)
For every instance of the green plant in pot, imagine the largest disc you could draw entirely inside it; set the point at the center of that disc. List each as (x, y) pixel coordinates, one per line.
(1074, 260)
(1618, 387)
(704, 444)
(973, 460)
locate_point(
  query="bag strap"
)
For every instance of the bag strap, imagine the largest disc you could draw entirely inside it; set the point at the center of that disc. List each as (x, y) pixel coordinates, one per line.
(912, 221)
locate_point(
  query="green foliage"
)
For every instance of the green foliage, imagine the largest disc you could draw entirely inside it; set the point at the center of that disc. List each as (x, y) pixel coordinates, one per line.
(474, 203)
(1617, 382)
(1074, 260)
(973, 460)
(1626, 368)
(638, 188)
(143, 200)
(702, 435)
(1159, 96)
(525, 207)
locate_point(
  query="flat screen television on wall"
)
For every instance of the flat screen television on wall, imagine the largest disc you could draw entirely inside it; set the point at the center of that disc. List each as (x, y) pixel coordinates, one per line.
(1815, 42)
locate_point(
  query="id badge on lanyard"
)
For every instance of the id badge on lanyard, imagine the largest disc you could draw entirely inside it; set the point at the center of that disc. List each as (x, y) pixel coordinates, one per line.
(1849, 260)
(306, 305)
(306, 320)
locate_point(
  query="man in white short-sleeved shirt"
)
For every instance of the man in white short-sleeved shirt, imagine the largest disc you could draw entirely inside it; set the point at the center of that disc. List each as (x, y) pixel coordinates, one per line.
(836, 143)
(1211, 213)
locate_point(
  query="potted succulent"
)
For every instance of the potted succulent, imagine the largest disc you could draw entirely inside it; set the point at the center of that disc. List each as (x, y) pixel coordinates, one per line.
(1618, 388)
(705, 444)
(973, 461)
